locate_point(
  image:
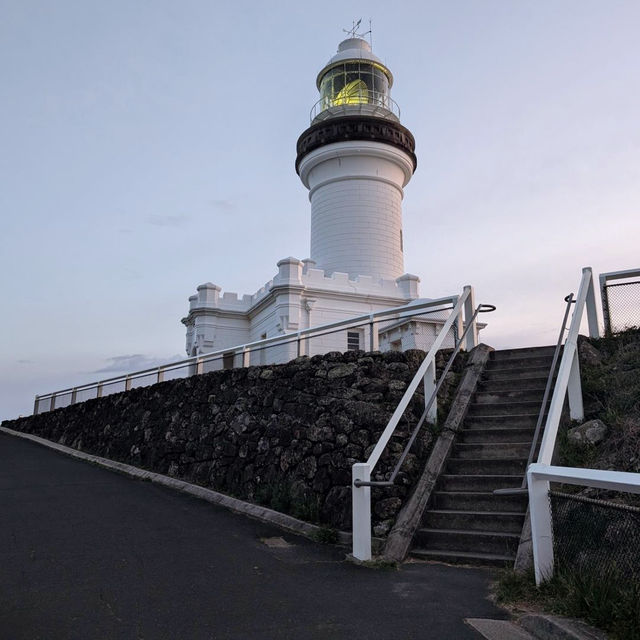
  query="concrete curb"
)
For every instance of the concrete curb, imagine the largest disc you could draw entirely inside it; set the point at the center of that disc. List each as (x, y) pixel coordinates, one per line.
(547, 627)
(236, 505)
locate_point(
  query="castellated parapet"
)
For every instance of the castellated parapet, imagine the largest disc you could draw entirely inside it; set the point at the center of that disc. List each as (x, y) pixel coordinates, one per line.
(298, 297)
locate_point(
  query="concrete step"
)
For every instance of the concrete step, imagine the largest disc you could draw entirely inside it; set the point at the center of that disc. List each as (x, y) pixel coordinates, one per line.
(496, 542)
(504, 408)
(497, 434)
(462, 557)
(478, 501)
(486, 466)
(512, 384)
(448, 482)
(492, 450)
(509, 395)
(509, 522)
(515, 421)
(520, 362)
(503, 373)
(525, 352)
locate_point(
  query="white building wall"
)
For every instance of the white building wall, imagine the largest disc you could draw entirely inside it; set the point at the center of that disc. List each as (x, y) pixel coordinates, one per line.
(299, 296)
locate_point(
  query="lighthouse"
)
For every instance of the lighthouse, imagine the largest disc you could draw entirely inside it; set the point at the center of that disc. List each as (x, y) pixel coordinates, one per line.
(355, 159)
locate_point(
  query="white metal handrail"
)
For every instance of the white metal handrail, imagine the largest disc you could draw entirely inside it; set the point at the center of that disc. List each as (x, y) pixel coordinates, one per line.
(539, 476)
(361, 471)
(568, 379)
(417, 307)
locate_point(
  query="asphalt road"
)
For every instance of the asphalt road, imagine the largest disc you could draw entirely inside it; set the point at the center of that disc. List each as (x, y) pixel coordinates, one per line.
(86, 553)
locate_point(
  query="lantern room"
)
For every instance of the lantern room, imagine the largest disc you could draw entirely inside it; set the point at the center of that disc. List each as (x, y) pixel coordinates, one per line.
(354, 81)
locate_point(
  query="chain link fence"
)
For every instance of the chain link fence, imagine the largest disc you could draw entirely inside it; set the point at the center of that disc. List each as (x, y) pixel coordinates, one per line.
(621, 306)
(596, 536)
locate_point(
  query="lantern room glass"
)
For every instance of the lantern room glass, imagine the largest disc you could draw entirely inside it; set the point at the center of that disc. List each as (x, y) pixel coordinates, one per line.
(353, 83)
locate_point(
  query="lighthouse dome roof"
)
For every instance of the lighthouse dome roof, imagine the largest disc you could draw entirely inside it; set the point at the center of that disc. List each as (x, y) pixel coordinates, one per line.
(354, 49)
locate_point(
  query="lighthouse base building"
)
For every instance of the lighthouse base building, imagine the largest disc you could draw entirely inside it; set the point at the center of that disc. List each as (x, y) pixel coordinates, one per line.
(355, 159)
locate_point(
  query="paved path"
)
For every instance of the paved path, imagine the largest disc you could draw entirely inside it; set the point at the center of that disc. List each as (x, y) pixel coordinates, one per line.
(86, 553)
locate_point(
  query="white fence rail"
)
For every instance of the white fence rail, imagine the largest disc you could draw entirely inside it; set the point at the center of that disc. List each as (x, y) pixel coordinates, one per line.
(239, 355)
(538, 478)
(361, 471)
(541, 473)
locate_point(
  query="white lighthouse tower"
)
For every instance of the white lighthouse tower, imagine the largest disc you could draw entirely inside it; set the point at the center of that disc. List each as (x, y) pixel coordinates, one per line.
(355, 159)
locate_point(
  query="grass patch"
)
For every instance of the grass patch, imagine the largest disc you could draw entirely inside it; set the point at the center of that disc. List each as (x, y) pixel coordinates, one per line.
(282, 497)
(326, 535)
(379, 563)
(608, 602)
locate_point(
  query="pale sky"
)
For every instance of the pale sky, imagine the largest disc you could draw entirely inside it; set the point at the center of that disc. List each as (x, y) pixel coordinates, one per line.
(149, 146)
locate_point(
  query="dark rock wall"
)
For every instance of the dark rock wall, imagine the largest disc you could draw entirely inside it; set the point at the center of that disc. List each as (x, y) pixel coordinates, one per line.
(283, 435)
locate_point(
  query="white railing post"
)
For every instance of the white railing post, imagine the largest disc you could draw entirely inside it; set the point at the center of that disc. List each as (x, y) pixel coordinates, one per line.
(361, 511)
(127, 383)
(52, 402)
(458, 323)
(298, 345)
(199, 366)
(99, 390)
(35, 406)
(374, 338)
(541, 527)
(74, 395)
(592, 312)
(471, 339)
(574, 390)
(160, 377)
(246, 356)
(429, 388)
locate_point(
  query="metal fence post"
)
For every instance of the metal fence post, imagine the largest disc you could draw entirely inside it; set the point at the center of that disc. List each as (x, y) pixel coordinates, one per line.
(246, 356)
(574, 390)
(605, 304)
(361, 511)
(127, 383)
(35, 406)
(52, 402)
(199, 366)
(541, 528)
(99, 390)
(160, 377)
(429, 388)
(74, 395)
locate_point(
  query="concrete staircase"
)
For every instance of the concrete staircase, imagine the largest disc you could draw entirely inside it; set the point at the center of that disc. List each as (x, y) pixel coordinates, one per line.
(464, 521)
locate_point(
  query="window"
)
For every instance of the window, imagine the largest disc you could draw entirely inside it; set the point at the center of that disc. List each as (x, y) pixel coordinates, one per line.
(227, 360)
(353, 340)
(263, 350)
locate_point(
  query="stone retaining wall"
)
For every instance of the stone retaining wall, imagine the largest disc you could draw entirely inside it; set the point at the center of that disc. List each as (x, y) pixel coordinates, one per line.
(282, 435)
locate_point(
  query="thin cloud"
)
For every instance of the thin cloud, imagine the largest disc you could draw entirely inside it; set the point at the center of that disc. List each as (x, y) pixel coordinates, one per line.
(177, 222)
(134, 362)
(223, 205)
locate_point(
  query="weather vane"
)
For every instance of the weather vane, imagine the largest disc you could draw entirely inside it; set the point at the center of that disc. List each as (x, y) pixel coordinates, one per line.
(353, 32)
